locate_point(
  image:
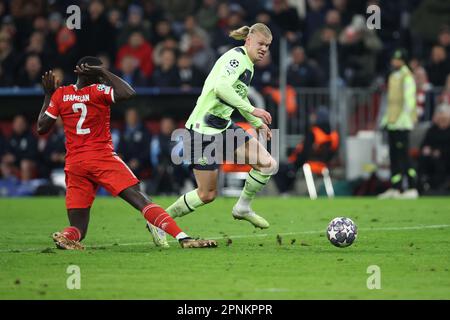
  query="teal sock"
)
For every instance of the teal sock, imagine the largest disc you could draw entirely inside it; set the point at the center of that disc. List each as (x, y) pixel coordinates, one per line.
(255, 182)
(185, 204)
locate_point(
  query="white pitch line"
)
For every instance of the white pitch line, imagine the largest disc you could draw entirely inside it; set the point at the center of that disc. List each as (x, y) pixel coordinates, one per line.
(261, 235)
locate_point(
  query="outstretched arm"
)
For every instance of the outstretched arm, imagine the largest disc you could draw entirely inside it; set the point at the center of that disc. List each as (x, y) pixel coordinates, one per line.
(45, 123)
(122, 90)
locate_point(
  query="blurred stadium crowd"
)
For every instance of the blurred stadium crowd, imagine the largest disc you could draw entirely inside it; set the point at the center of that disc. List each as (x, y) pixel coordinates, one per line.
(174, 43)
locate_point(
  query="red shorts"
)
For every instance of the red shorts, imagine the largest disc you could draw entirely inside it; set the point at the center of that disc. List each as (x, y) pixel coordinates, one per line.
(83, 179)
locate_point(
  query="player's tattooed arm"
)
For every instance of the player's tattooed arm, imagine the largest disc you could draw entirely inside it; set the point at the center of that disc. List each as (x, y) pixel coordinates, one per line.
(122, 90)
(45, 123)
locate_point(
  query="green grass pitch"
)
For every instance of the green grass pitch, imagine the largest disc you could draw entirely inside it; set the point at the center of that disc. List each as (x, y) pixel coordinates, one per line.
(408, 240)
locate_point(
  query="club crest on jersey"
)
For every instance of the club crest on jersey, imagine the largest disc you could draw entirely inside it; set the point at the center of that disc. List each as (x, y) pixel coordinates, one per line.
(102, 87)
(234, 63)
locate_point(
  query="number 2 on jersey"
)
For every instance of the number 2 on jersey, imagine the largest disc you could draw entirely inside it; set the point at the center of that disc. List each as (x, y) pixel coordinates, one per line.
(83, 108)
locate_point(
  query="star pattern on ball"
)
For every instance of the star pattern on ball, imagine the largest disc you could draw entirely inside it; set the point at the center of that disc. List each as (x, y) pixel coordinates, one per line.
(341, 232)
(332, 233)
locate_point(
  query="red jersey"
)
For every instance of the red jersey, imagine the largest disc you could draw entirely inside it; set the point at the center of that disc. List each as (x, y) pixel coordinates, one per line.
(85, 114)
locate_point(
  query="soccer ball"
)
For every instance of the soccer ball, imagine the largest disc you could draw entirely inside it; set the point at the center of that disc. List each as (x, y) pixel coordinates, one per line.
(342, 232)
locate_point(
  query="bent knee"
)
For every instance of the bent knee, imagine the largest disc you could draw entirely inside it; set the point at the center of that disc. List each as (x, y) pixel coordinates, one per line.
(269, 168)
(207, 196)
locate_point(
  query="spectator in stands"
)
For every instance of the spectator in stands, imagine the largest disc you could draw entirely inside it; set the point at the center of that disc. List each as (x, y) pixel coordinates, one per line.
(166, 74)
(445, 95)
(19, 164)
(162, 31)
(36, 45)
(191, 28)
(106, 62)
(423, 87)
(130, 72)
(40, 24)
(319, 43)
(134, 143)
(8, 26)
(345, 12)
(169, 43)
(30, 74)
(96, 35)
(176, 10)
(23, 13)
(221, 41)
(63, 78)
(22, 149)
(23, 9)
(2, 11)
(438, 67)
(428, 17)
(360, 47)
(206, 15)
(203, 57)
(5, 81)
(444, 39)
(223, 12)
(135, 22)
(62, 43)
(266, 73)
(139, 48)
(166, 178)
(302, 72)
(9, 180)
(7, 60)
(188, 75)
(287, 18)
(315, 17)
(265, 80)
(152, 10)
(2, 145)
(265, 16)
(434, 161)
(116, 22)
(55, 150)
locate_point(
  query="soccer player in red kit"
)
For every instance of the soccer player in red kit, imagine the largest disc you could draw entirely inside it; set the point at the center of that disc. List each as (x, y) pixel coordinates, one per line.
(90, 158)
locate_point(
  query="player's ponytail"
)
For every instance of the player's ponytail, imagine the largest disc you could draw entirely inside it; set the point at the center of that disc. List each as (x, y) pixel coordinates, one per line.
(243, 32)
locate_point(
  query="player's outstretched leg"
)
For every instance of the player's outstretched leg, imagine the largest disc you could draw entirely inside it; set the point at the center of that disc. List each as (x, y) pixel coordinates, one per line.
(205, 193)
(255, 182)
(257, 179)
(185, 204)
(159, 236)
(69, 238)
(158, 217)
(189, 202)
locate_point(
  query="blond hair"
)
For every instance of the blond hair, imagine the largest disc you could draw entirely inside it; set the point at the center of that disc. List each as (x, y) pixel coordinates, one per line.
(243, 32)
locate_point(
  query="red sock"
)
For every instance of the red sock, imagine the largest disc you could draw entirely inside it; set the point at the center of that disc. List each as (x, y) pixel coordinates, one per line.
(158, 217)
(72, 233)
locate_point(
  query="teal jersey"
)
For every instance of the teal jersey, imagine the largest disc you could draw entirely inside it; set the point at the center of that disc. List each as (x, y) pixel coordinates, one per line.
(225, 89)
